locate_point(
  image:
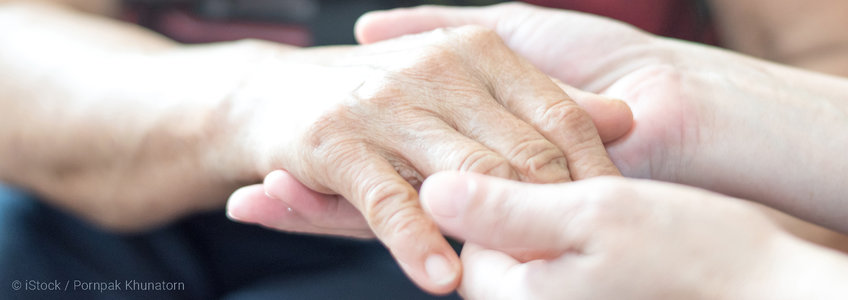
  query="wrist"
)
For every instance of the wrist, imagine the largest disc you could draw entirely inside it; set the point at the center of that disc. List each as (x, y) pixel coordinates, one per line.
(754, 118)
(191, 143)
(284, 94)
(229, 149)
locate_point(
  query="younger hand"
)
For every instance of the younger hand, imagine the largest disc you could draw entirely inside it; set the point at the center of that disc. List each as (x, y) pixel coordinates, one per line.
(611, 238)
(703, 117)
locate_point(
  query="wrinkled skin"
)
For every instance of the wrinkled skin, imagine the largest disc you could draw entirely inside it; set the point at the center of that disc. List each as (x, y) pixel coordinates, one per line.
(689, 122)
(452, 99)
(696, 109)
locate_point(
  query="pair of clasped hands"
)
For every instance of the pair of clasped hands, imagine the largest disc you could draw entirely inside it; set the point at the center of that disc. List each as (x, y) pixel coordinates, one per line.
(519, 165)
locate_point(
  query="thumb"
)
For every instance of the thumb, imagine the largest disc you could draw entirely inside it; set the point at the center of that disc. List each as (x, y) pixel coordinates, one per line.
(509, 216)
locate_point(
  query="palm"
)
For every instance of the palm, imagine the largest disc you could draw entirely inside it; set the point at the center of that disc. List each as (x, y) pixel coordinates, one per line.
(665, 125)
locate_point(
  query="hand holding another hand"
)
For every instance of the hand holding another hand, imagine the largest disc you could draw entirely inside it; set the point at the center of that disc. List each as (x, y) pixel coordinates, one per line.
(703, 116)
(375, 120)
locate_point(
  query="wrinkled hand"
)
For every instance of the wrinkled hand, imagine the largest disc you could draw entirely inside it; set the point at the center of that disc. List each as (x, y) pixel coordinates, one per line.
(377, 119)
(702, 116)
(283, 203)
(615, 238)
(591, 53)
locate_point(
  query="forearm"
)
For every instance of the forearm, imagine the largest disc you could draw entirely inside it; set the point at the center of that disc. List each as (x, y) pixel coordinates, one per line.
(778, 138)
(112, 122)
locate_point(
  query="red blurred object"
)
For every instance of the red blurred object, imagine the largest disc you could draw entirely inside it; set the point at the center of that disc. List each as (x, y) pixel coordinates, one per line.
(181, 26)
(671, 18)
(186, 28)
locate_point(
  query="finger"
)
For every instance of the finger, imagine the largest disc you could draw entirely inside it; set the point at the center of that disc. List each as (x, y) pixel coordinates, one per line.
(251, 205)
(376, 26)
(321, 210)
(571, 46)
(508, 215)
(489, 141)
(535, 99)
(612, 117)
(534, 157)
(488, 274)
(391, 208)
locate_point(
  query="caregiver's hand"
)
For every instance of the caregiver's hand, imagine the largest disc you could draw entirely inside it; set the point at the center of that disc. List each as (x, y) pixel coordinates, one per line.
(703, 116)
(614, 238)
(369, 123)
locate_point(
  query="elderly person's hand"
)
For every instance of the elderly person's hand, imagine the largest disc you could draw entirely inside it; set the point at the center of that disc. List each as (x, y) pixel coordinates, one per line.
(370, 122)
(130, 130)
(615, 238)
(703, 116)
(283, 203)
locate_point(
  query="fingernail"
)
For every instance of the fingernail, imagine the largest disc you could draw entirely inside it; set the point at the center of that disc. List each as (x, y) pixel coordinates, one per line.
(451, 201)
(439, 269)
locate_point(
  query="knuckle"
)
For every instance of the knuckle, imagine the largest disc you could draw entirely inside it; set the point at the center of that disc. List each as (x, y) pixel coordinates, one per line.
(487, 162)
(389, 212)
(382, 197)
(530, 156)
(405, 224)
(566, 116)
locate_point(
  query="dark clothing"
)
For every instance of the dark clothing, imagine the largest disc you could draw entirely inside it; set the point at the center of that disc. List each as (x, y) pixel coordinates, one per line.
(209, 255)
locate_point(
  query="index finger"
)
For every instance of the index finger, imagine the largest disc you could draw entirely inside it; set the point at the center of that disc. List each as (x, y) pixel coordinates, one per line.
(391, 208)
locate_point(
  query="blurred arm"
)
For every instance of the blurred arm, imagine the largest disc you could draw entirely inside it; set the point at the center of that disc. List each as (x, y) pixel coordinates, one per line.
(89, 119)
(802, 33)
